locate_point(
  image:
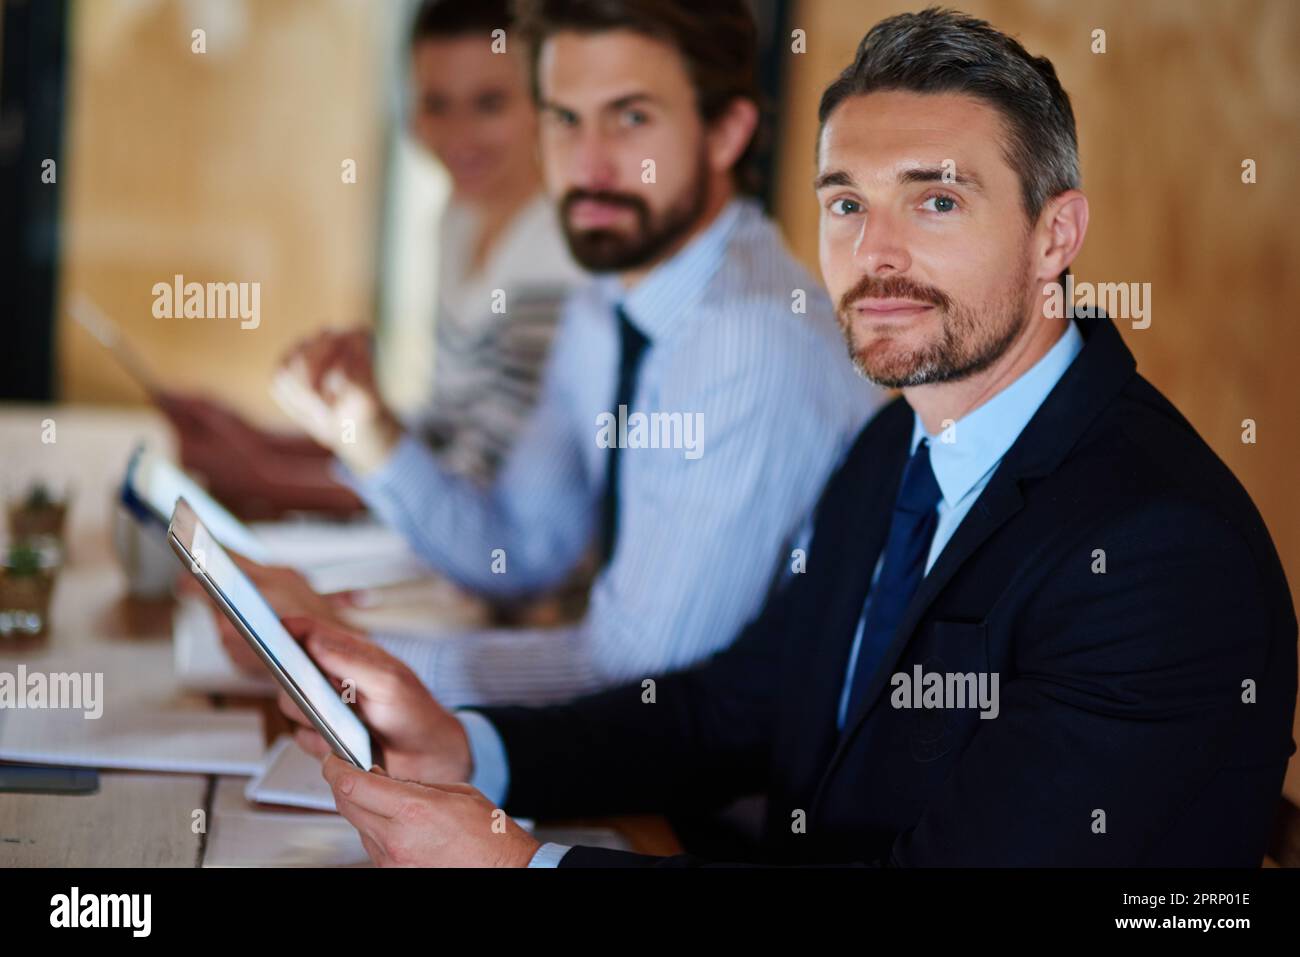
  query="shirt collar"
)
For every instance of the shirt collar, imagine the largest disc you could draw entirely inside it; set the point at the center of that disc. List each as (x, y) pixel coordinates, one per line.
(981, 437)
(666, 295)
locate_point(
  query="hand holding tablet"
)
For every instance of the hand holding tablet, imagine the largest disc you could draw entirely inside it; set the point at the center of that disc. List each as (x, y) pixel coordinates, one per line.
(248, 611)
(421, 740)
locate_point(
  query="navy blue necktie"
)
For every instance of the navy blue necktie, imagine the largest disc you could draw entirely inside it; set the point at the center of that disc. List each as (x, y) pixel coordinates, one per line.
(911, 530)
(632, 346)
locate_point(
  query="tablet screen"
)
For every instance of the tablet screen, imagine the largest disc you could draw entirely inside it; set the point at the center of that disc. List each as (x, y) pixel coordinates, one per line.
(159, 485)
(260, 619)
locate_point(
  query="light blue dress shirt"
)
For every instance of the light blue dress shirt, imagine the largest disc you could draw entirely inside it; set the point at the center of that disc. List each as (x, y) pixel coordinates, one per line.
(965, 456)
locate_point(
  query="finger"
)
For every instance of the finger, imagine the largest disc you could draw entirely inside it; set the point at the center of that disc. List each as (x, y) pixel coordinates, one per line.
(355, 362)
(368, 825)
(330, 639)
(289, 708)
(378, 795)
(311, 742)
(373, 673)
(302, 627)
(246, 565)
(189, 585)
(309, 364)
(297, 353)
(308, 630)
(230, 636)
(291, 392)
(344, 656)
(292, 365)
(323, 360)
(358, 598)
(239, 651)
(451, 787)
(373, 848)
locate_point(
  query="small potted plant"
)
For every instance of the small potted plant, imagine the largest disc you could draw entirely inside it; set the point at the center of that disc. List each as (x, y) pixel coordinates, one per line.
(26, 586)
(38, 515)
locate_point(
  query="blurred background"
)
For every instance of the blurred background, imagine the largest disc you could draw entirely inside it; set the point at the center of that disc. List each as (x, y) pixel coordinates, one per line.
(126, 158)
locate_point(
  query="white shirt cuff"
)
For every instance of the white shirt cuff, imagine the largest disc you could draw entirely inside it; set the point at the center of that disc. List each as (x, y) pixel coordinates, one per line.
(549, 855)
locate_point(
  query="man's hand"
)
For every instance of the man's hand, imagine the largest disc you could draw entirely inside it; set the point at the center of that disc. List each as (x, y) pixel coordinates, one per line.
(257, 473)
(285, 590)
(327, 384)
(203, 419)
(405, 824)
(220, 446)
(421, 740)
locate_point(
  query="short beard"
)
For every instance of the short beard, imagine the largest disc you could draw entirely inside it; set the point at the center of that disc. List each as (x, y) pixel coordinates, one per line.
(604, 250)
(966, 347)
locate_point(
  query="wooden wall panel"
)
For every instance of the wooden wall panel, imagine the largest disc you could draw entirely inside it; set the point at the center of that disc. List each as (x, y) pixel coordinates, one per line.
(223, 166)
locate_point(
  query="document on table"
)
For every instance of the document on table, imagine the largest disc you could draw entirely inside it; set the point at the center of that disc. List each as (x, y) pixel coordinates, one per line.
(146, 721)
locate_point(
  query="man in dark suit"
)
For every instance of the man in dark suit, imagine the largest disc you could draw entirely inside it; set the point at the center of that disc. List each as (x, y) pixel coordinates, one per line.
(1040, 622)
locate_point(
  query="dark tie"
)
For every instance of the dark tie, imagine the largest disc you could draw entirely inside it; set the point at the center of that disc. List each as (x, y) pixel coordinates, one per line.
(910, 532)
(632, 346)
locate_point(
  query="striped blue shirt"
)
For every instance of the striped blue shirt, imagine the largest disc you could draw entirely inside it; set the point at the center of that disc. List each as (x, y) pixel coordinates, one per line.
(744, 345)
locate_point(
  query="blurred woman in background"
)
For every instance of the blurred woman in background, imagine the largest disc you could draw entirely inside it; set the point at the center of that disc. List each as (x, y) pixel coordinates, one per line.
(504, 272)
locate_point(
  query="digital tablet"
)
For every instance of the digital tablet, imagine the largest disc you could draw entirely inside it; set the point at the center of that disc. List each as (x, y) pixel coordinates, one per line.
(153, 486)
(253, 618)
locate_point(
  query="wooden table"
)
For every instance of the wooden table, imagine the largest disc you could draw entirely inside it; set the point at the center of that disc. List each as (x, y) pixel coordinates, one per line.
(134, 819)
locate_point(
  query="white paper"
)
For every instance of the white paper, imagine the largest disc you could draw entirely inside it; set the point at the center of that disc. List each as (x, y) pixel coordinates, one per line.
(148, 723)
(292, 777)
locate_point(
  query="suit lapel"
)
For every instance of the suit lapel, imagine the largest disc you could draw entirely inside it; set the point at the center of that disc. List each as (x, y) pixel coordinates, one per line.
(1102, 369)
(852, 523)
(999, 501)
